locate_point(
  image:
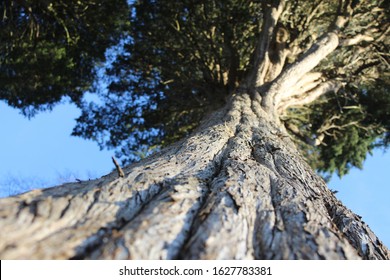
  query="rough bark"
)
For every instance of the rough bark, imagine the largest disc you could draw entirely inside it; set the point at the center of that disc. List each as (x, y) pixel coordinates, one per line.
(235, 189)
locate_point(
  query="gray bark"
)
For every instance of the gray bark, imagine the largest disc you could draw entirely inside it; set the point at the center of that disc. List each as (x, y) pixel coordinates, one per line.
(236, 189)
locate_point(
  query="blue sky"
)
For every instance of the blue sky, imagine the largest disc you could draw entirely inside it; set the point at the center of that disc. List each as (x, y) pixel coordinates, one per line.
(40, 152)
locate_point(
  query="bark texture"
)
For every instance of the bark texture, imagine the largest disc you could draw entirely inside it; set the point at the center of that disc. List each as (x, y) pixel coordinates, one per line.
(235, 189)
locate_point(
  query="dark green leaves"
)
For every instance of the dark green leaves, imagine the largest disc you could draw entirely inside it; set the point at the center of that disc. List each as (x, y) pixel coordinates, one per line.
(50, 49)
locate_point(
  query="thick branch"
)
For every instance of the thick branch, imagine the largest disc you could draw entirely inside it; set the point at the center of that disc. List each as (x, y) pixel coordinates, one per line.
(356, 40)
(306, 83)
(311, 95)
(261, 60)
(287, 79)
(325, 45)
(277, 54)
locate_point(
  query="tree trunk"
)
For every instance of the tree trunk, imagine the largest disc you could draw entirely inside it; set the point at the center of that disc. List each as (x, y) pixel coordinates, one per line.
(236, 189)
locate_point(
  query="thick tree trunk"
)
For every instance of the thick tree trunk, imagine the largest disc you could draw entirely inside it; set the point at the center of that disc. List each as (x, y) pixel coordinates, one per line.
(235, 189)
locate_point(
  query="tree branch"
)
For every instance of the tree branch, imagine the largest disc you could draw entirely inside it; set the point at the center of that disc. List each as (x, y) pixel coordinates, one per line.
(325, 45)
(277, 54)
(306, 83)
(356, 40)
(260, 57)
(311, 95)
(310, 59)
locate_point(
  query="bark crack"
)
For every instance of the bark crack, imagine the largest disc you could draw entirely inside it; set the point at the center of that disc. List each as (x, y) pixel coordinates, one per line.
(96, 196)
(66, 208)
(95, 241)
(279, 220)
(355, 231)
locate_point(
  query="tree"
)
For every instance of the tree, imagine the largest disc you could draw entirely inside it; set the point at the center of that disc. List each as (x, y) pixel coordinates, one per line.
(238, 186)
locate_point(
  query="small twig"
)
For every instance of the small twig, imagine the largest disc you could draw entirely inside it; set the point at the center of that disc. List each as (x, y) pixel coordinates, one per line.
(118, 168)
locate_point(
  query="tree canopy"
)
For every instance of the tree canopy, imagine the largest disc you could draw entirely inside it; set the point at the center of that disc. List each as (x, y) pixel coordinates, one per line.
(50, 49)
(182, 59)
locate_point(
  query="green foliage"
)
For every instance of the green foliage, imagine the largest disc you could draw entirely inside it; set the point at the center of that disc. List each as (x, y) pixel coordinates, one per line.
(352, 122)
(50, 49)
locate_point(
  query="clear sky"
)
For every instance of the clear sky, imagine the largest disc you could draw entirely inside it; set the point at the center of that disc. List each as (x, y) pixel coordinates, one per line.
(40, 152)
